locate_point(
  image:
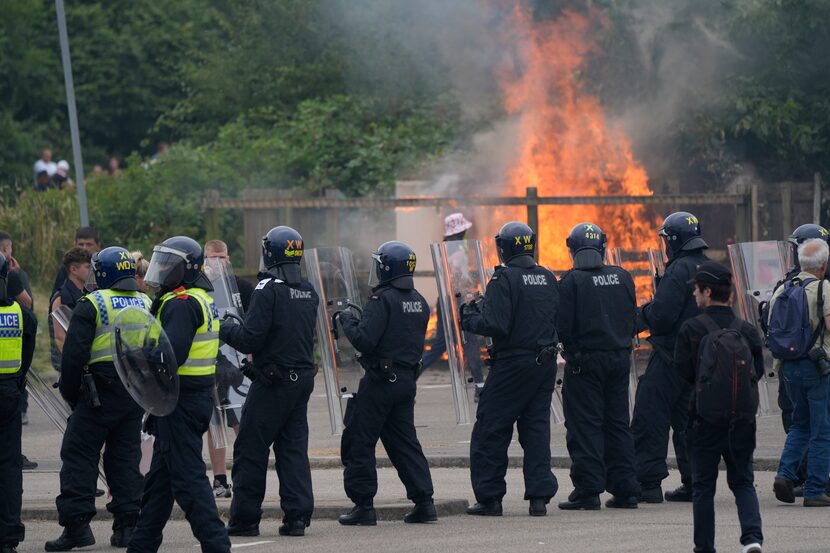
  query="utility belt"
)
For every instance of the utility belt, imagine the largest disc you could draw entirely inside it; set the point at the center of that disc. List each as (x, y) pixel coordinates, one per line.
(271, 374)
(542, 356)
(387, 370)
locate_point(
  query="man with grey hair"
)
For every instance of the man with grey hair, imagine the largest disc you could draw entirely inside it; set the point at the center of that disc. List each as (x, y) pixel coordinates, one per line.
(808, 386)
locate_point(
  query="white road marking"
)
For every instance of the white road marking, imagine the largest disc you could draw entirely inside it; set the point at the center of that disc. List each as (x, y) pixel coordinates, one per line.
(252, 544)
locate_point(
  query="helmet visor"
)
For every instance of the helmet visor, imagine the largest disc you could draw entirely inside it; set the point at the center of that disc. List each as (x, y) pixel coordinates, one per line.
(166, 269)
(374, 272)
(91, 283)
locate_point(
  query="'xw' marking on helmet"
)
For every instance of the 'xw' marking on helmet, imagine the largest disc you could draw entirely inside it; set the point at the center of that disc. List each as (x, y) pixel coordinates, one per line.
(124, 255)
(520, 238)
(589, 228)
(692, 220)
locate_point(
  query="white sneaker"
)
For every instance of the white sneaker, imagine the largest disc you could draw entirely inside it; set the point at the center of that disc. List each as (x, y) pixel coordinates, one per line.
(752, 548)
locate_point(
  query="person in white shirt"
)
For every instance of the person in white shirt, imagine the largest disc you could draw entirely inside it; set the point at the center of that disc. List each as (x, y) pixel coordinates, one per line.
(45, 163)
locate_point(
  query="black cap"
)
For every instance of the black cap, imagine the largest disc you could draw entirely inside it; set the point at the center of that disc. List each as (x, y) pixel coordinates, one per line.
(712, 272)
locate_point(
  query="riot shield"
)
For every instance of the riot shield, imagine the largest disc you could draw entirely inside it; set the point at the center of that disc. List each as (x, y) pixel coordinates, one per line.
(657, 261)
(231, 385)
(756, 268)
(639, 350)
(459, 273)
(46, 396)
(62, 315)
(144, 360)
(332, 274)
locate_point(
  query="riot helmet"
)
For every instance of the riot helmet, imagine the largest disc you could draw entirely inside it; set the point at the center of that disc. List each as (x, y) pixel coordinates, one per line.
(393, 263)
(112, 268)
(4, 277)
(177, 262)
(681, 232)
(804, 233)
(515, 239)
(586, 244)
(282, 252)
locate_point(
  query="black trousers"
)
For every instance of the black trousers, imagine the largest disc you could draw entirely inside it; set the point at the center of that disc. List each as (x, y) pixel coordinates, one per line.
(707, 444)
(662, 403)
(383, 410)
(517, 392)
(595, 401)
(277, 416)
(12, 530)
(116, 426)
(178, 473)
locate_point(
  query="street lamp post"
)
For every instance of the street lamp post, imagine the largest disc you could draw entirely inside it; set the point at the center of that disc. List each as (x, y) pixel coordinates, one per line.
(73, 113)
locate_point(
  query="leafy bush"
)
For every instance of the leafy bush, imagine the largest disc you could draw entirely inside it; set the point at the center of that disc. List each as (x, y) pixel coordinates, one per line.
(42, 226)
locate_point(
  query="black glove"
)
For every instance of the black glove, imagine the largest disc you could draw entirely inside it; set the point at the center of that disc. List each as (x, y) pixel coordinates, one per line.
(225, 326)
(465, 310)
(335, 322)
(339, 321)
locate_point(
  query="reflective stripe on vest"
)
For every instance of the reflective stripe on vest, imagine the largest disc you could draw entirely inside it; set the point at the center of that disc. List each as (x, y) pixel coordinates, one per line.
(201, 359)
(107, 303)
(11, 338)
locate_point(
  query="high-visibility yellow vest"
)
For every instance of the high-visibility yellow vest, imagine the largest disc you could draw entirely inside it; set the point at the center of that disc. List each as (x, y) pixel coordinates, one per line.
(107, 303)
(201, 359)
(11, 338)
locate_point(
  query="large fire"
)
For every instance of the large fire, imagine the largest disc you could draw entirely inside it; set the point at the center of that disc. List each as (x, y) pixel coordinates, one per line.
(566, 145)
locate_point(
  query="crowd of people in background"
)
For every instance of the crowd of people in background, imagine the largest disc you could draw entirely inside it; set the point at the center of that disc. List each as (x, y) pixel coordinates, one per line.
(51, 175)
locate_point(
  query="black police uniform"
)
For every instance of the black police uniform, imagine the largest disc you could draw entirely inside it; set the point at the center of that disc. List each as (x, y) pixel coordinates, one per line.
(707, 442)
(519, 313)
(662, 396)
(12, 530)
(597, 312)
(279, 332)
(178, 472)
(391, 333)
(116, 423)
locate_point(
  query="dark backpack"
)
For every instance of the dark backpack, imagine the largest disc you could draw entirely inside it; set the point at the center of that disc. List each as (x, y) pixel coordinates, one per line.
(727, 386)
(790, 334)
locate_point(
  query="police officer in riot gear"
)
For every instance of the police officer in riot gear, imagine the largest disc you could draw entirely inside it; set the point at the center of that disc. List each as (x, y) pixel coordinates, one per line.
(104, 414)
(390, 336)
(279, 332)
(662, 399)
(597, 310)
(518, 312)
(18, 329)
(189, 319)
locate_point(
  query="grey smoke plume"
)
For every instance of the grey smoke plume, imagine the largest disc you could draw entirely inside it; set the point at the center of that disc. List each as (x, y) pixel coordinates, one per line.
(671, 61)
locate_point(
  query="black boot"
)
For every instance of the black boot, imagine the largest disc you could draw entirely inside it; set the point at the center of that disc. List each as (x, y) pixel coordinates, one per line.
(244, 530)
(682, 494)
(293, 528)
(490, 508)
(538, 507)
(581, 502)
(8, 548)
(651, 494)
(72, 537)
(622, 502)
(360, 515)
(423, 512)
(784, 490)
(122, 529)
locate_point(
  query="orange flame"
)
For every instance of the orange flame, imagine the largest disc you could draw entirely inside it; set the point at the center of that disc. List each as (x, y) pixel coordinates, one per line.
(566, 146)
